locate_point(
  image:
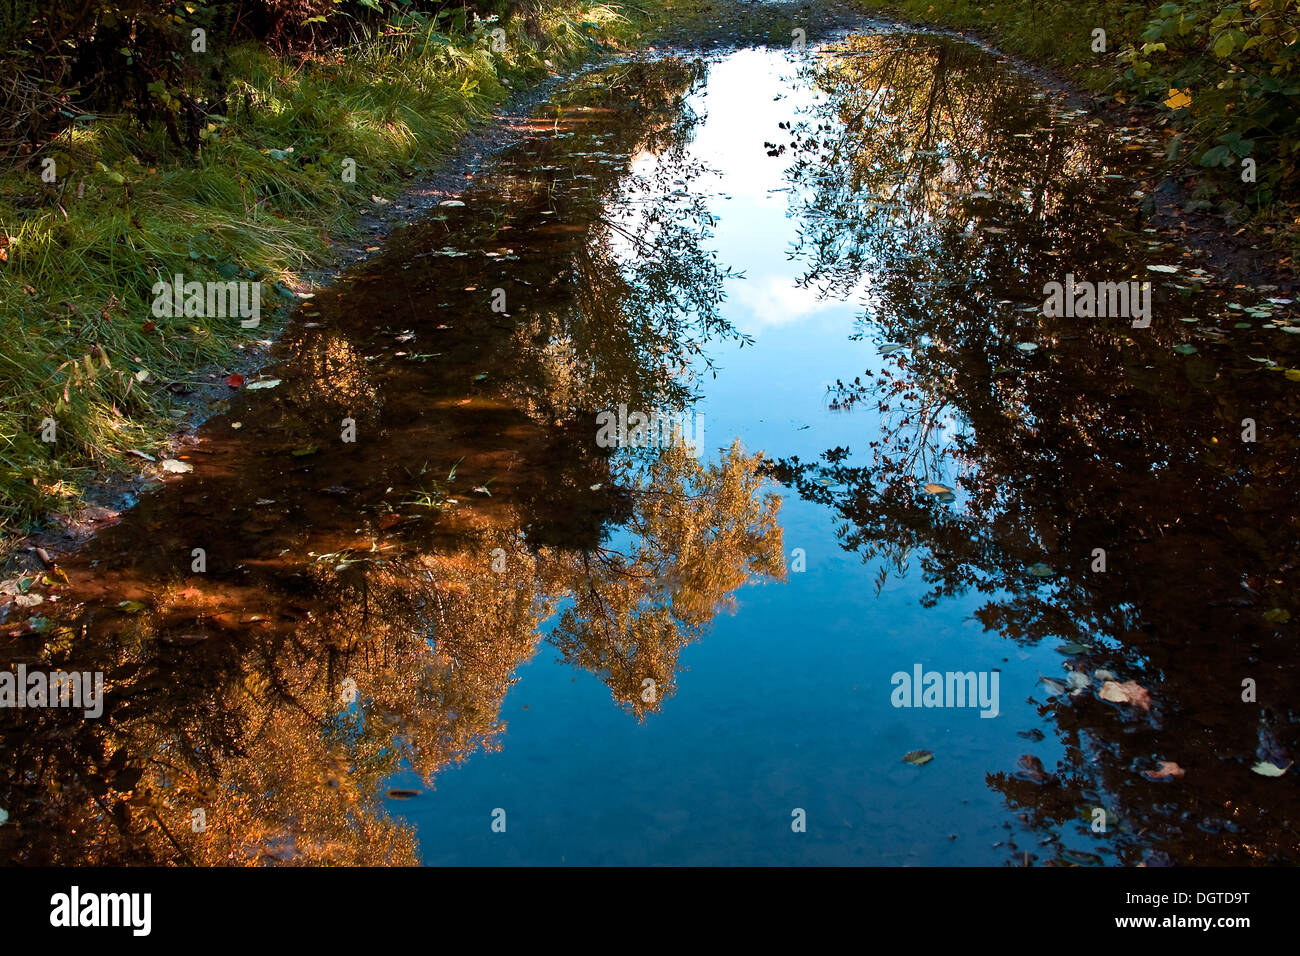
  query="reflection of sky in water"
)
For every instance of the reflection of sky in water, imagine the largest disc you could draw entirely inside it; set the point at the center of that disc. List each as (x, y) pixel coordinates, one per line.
(787, 703)
(753, 227)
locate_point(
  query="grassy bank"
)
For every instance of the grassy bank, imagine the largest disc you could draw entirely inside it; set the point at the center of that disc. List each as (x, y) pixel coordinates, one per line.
(308, 141)
(1223, 77)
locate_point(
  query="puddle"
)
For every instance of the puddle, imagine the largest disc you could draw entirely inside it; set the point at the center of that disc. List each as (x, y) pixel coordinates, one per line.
(409, 606)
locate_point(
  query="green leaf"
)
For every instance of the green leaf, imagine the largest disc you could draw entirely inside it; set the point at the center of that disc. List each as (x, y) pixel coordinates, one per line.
(1218, 156)
(918, 757)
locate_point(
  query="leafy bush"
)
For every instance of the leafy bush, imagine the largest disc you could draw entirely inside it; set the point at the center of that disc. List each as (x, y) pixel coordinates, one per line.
(1230, 74)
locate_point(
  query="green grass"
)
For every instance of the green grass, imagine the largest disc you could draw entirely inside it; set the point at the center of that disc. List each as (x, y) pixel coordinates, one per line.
(82, 254)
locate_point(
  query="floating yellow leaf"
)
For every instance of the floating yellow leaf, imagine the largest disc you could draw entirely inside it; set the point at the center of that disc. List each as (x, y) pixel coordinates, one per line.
(1179, 99)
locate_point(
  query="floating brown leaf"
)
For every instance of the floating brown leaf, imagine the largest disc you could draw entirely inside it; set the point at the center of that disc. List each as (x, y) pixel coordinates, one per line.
(1129, 692)
(1031, 769)
(1166, 770)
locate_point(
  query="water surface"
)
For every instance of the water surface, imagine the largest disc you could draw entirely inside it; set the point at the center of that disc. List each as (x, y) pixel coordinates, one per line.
(475, 614)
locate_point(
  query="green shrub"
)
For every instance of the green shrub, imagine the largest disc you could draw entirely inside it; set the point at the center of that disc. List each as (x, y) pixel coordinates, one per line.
(1230, 75)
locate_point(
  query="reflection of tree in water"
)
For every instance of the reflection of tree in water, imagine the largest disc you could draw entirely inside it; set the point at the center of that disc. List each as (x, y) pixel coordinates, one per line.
(914, 130)
(279, 691)
(263, 737)
(637, 292)
(698, 534)
(1098, 440)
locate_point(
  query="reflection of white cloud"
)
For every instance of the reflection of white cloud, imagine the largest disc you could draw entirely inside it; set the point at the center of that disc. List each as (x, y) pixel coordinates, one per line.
(775, 300)
(747, 192)
(731, 139)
